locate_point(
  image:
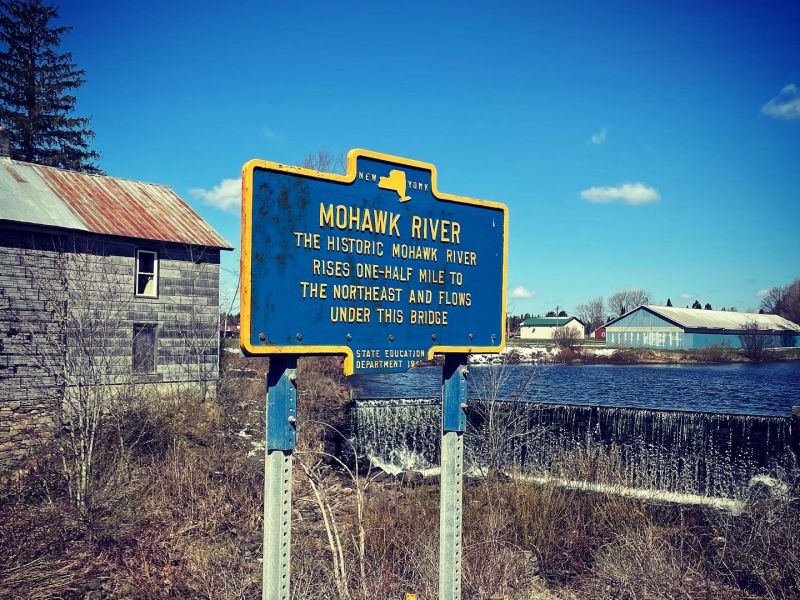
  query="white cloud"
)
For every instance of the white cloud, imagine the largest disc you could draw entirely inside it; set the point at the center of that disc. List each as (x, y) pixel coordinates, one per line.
(226, 196)
(629, 193)
(271, 134)
(521, 293)
(599, 137)
(686, 296)
(762, 293)
(785, 105)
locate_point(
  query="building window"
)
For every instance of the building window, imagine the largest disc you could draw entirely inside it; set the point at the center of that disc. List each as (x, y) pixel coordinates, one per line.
(146, 273)
(144, 348)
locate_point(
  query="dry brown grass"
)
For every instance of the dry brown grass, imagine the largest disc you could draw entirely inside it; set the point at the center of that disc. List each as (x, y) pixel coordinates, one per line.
(715, 353)
(179, 517)
(201, 513)
(643, 562)
(760, 548)
(42, 552)
(179, 513)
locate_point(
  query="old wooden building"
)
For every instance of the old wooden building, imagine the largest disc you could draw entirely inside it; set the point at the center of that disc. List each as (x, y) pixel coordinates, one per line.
(105, 284)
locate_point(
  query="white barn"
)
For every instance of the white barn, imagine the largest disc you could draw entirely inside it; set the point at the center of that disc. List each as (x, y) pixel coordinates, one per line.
(543, 328)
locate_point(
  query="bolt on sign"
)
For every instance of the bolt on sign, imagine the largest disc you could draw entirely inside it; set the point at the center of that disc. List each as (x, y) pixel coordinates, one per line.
(377, 264)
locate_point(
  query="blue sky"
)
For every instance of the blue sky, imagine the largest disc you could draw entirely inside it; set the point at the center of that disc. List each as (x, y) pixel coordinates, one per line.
(551, 109)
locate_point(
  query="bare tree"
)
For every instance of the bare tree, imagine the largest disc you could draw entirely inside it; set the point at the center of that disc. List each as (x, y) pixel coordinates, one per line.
(316, 465)
(772, 301)
(754, 341)
(593, 313)
(77, 309)
(500, 415)
(790, 308)
(626, 300)
(74, 340)
(637, 297)
(325, 161)
(618, 304)
(566, 337)
(783, 301)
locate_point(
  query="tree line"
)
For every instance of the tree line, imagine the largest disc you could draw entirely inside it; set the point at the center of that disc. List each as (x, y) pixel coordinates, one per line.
(783, 301)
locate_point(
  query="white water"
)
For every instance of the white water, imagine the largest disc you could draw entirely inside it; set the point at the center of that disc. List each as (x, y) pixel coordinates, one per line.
(688, 454)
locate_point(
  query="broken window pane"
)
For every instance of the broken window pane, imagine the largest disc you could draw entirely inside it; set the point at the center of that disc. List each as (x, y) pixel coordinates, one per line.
(144, 348)
(146, 273)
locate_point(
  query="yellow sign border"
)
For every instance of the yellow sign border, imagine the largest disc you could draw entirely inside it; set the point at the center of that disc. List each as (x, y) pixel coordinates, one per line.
(348, 177)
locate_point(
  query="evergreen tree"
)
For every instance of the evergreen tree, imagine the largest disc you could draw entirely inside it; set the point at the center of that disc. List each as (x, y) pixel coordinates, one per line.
(708, 306)
(697, 304)
(36, 81)
(669, 302)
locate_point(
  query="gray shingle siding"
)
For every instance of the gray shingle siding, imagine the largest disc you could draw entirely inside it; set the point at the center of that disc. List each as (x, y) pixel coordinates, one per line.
(33, 293)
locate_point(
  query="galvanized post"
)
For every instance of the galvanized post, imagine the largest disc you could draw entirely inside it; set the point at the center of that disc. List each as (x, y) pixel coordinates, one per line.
(454, 398)
(279, 444)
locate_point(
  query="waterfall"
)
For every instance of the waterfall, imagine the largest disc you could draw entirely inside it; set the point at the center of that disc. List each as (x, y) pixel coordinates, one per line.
(398, 434)
(707, 454)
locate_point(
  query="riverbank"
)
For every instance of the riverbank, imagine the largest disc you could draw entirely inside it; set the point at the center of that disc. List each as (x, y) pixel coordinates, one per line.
(176, 511)
(594, 355)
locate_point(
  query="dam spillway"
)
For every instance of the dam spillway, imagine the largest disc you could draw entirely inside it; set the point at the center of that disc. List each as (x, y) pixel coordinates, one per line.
(684, 452)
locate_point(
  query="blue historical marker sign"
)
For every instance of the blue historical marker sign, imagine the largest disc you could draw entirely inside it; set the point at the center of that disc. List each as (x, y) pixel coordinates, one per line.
(376, 264)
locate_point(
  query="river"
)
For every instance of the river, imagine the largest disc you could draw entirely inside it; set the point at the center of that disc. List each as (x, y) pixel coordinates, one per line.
(769, 389)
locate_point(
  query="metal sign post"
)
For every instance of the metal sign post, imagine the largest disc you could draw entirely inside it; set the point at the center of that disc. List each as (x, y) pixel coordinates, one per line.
(454, 398)
(280, 441)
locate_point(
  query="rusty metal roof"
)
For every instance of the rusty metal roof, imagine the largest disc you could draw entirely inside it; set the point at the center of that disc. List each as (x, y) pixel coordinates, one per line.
(100, 204)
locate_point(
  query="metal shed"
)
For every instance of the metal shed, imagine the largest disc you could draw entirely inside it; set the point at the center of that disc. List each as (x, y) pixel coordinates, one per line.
(671, 328)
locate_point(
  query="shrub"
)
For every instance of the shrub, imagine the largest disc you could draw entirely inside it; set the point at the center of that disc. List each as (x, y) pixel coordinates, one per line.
(566, 337)
(567, 355)
(624, 356)
(716, 353)
(754, 341)
(512, 357)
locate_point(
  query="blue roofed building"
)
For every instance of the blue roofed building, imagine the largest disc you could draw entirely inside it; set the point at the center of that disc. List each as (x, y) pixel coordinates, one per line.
(671, 328)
